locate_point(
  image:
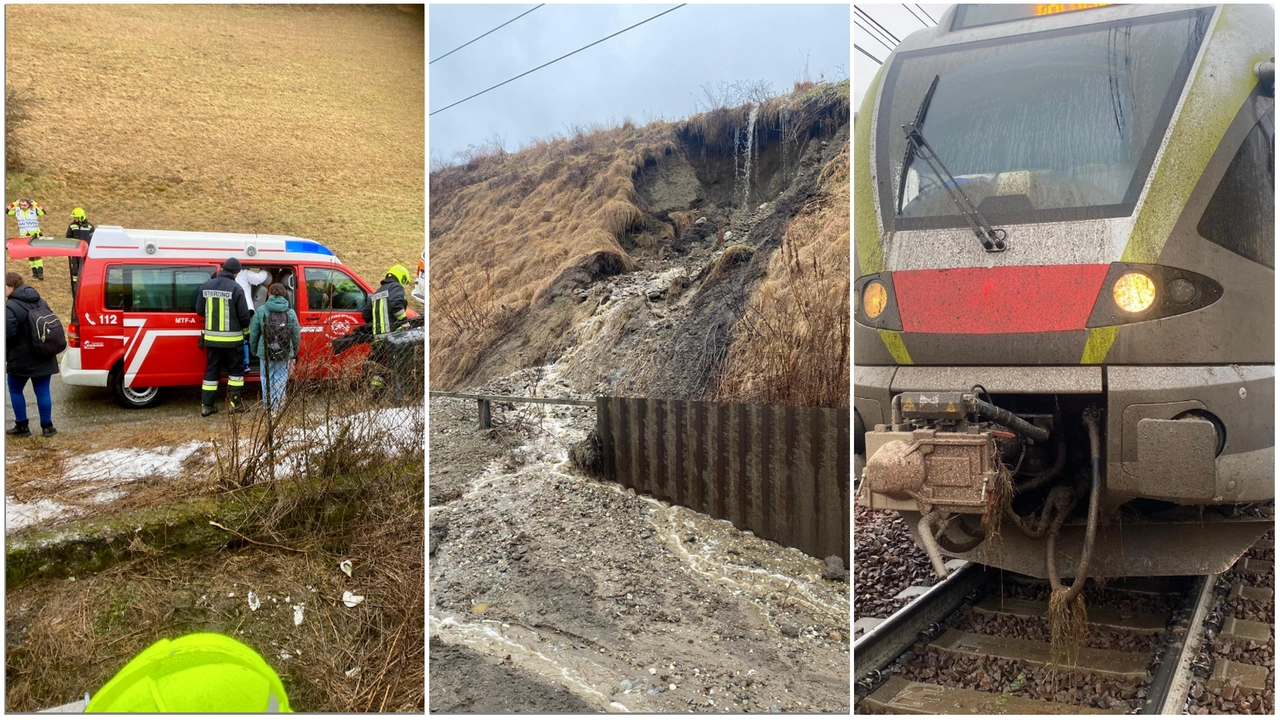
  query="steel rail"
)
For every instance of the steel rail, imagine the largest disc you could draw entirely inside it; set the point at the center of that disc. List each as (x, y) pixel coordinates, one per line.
(885, 642)
(1172, 680)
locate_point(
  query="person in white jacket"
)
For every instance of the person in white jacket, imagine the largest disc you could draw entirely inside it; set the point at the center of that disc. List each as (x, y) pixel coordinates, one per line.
(247, 279)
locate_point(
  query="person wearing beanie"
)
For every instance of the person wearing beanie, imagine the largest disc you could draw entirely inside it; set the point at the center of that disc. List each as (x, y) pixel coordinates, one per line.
(222, 306)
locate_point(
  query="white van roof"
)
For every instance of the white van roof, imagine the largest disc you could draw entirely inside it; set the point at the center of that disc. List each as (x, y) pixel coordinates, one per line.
(115, 242)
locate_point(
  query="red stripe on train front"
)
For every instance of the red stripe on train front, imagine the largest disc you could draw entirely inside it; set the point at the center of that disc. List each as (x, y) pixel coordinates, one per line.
(986, 301)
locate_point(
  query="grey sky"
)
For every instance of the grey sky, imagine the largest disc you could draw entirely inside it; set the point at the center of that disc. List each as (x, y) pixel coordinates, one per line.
(653, 71)
(897, 21)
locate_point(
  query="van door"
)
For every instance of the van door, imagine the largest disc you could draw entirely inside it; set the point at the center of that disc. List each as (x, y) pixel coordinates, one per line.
(330, 303)
(148, 312)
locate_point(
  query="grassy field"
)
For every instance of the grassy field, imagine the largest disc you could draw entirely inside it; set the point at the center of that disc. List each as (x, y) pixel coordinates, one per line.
(281, 119)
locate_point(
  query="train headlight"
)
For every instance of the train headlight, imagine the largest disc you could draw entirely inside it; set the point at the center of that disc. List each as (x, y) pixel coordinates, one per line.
(874, 299)
(1134, 292)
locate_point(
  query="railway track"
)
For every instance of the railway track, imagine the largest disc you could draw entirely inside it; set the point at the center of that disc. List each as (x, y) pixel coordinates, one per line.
(978, 643)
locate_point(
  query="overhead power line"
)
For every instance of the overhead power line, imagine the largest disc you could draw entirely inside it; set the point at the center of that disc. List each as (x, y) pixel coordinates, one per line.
(870, 30)
(867, 16)
(914, 15)
(575, 52)
(935, 22)
(886, 45)
(864, 52)
(526, 12)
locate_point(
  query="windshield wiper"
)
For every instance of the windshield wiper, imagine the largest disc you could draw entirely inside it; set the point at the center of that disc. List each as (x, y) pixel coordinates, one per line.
(992, 239)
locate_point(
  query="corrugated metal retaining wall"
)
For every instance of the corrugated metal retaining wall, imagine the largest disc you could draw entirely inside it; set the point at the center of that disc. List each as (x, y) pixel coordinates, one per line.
(781, 472)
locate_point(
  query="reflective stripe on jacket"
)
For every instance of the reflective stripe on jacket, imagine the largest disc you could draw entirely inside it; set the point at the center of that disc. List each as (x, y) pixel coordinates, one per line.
(80, 230)
(222, 305)
(28, 220)
(387, 307)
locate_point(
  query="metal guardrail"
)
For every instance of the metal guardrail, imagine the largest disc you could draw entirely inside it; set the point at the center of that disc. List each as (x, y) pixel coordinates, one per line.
(483, 403)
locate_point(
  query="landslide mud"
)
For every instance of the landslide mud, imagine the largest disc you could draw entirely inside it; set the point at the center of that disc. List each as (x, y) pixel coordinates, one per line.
(623, 602)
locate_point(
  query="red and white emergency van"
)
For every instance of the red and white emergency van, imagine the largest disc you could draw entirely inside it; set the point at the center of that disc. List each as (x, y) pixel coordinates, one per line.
(134, 327)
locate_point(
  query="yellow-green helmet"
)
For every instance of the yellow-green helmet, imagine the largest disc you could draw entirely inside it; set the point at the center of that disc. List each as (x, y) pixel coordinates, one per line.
(399, 273)
(202, 672)
(78, 214)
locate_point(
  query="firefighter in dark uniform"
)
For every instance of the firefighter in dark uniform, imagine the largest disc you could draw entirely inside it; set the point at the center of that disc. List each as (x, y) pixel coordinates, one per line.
(386, 311)
(80, 229)
(80, 226)
(222, 305)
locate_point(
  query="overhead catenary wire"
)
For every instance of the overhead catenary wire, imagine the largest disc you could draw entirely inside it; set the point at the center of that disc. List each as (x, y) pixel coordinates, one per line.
(864, 52)
(562, 57)
(875, 37)
(914, 15)
(869, 30)
(935, 22)
(867, 16)
(526, 12)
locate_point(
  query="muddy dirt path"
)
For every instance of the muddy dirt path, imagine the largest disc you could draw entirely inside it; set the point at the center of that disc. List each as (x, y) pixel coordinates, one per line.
(627, 603)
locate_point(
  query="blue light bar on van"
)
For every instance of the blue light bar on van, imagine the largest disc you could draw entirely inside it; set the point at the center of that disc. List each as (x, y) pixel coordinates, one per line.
(306, 246)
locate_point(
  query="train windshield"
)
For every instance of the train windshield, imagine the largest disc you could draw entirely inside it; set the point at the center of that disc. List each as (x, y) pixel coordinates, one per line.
(1052, 126)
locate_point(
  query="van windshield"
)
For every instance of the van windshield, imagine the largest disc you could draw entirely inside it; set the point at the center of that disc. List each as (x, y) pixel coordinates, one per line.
(1036, 128)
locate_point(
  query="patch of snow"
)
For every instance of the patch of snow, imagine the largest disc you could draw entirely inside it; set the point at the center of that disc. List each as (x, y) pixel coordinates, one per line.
(19, 515)
(127, 464)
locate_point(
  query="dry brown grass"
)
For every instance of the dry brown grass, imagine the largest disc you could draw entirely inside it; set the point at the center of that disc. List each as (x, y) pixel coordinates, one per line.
(351, 486)
(66, 638)
(285, 119)
(791, 347)
(505, 226)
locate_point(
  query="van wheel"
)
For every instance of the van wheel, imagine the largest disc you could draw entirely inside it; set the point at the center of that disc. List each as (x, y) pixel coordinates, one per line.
(131, 397)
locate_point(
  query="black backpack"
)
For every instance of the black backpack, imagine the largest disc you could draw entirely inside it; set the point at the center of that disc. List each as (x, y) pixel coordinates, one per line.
(277, 335)
(47, 336)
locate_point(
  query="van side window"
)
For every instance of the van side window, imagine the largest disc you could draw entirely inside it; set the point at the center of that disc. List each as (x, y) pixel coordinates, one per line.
(154, 288)
(333, 290)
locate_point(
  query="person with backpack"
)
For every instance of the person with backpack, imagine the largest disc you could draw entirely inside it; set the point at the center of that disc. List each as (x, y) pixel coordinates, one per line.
(275, 335)
(33, 338)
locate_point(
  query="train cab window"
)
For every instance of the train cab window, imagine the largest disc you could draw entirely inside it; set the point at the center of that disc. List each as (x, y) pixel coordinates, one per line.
(1037, 127)
(333, 290)
(152, 288)
(1241, 214)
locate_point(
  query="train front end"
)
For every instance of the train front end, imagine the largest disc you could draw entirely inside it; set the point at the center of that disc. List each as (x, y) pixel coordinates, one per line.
(1064, 295)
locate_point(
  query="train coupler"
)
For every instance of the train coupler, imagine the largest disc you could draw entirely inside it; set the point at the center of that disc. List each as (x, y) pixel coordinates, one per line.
(927, 469)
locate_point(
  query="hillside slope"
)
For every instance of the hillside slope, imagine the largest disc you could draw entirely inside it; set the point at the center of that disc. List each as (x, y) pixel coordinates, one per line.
(297, 120)
(630, 255)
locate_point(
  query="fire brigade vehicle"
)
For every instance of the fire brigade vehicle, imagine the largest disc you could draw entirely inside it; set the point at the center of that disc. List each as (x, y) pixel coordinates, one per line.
(133, 326)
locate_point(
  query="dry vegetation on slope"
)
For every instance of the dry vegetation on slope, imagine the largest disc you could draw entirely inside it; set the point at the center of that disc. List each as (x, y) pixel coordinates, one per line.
(513, 232)
(285, 119)
(791, 347)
